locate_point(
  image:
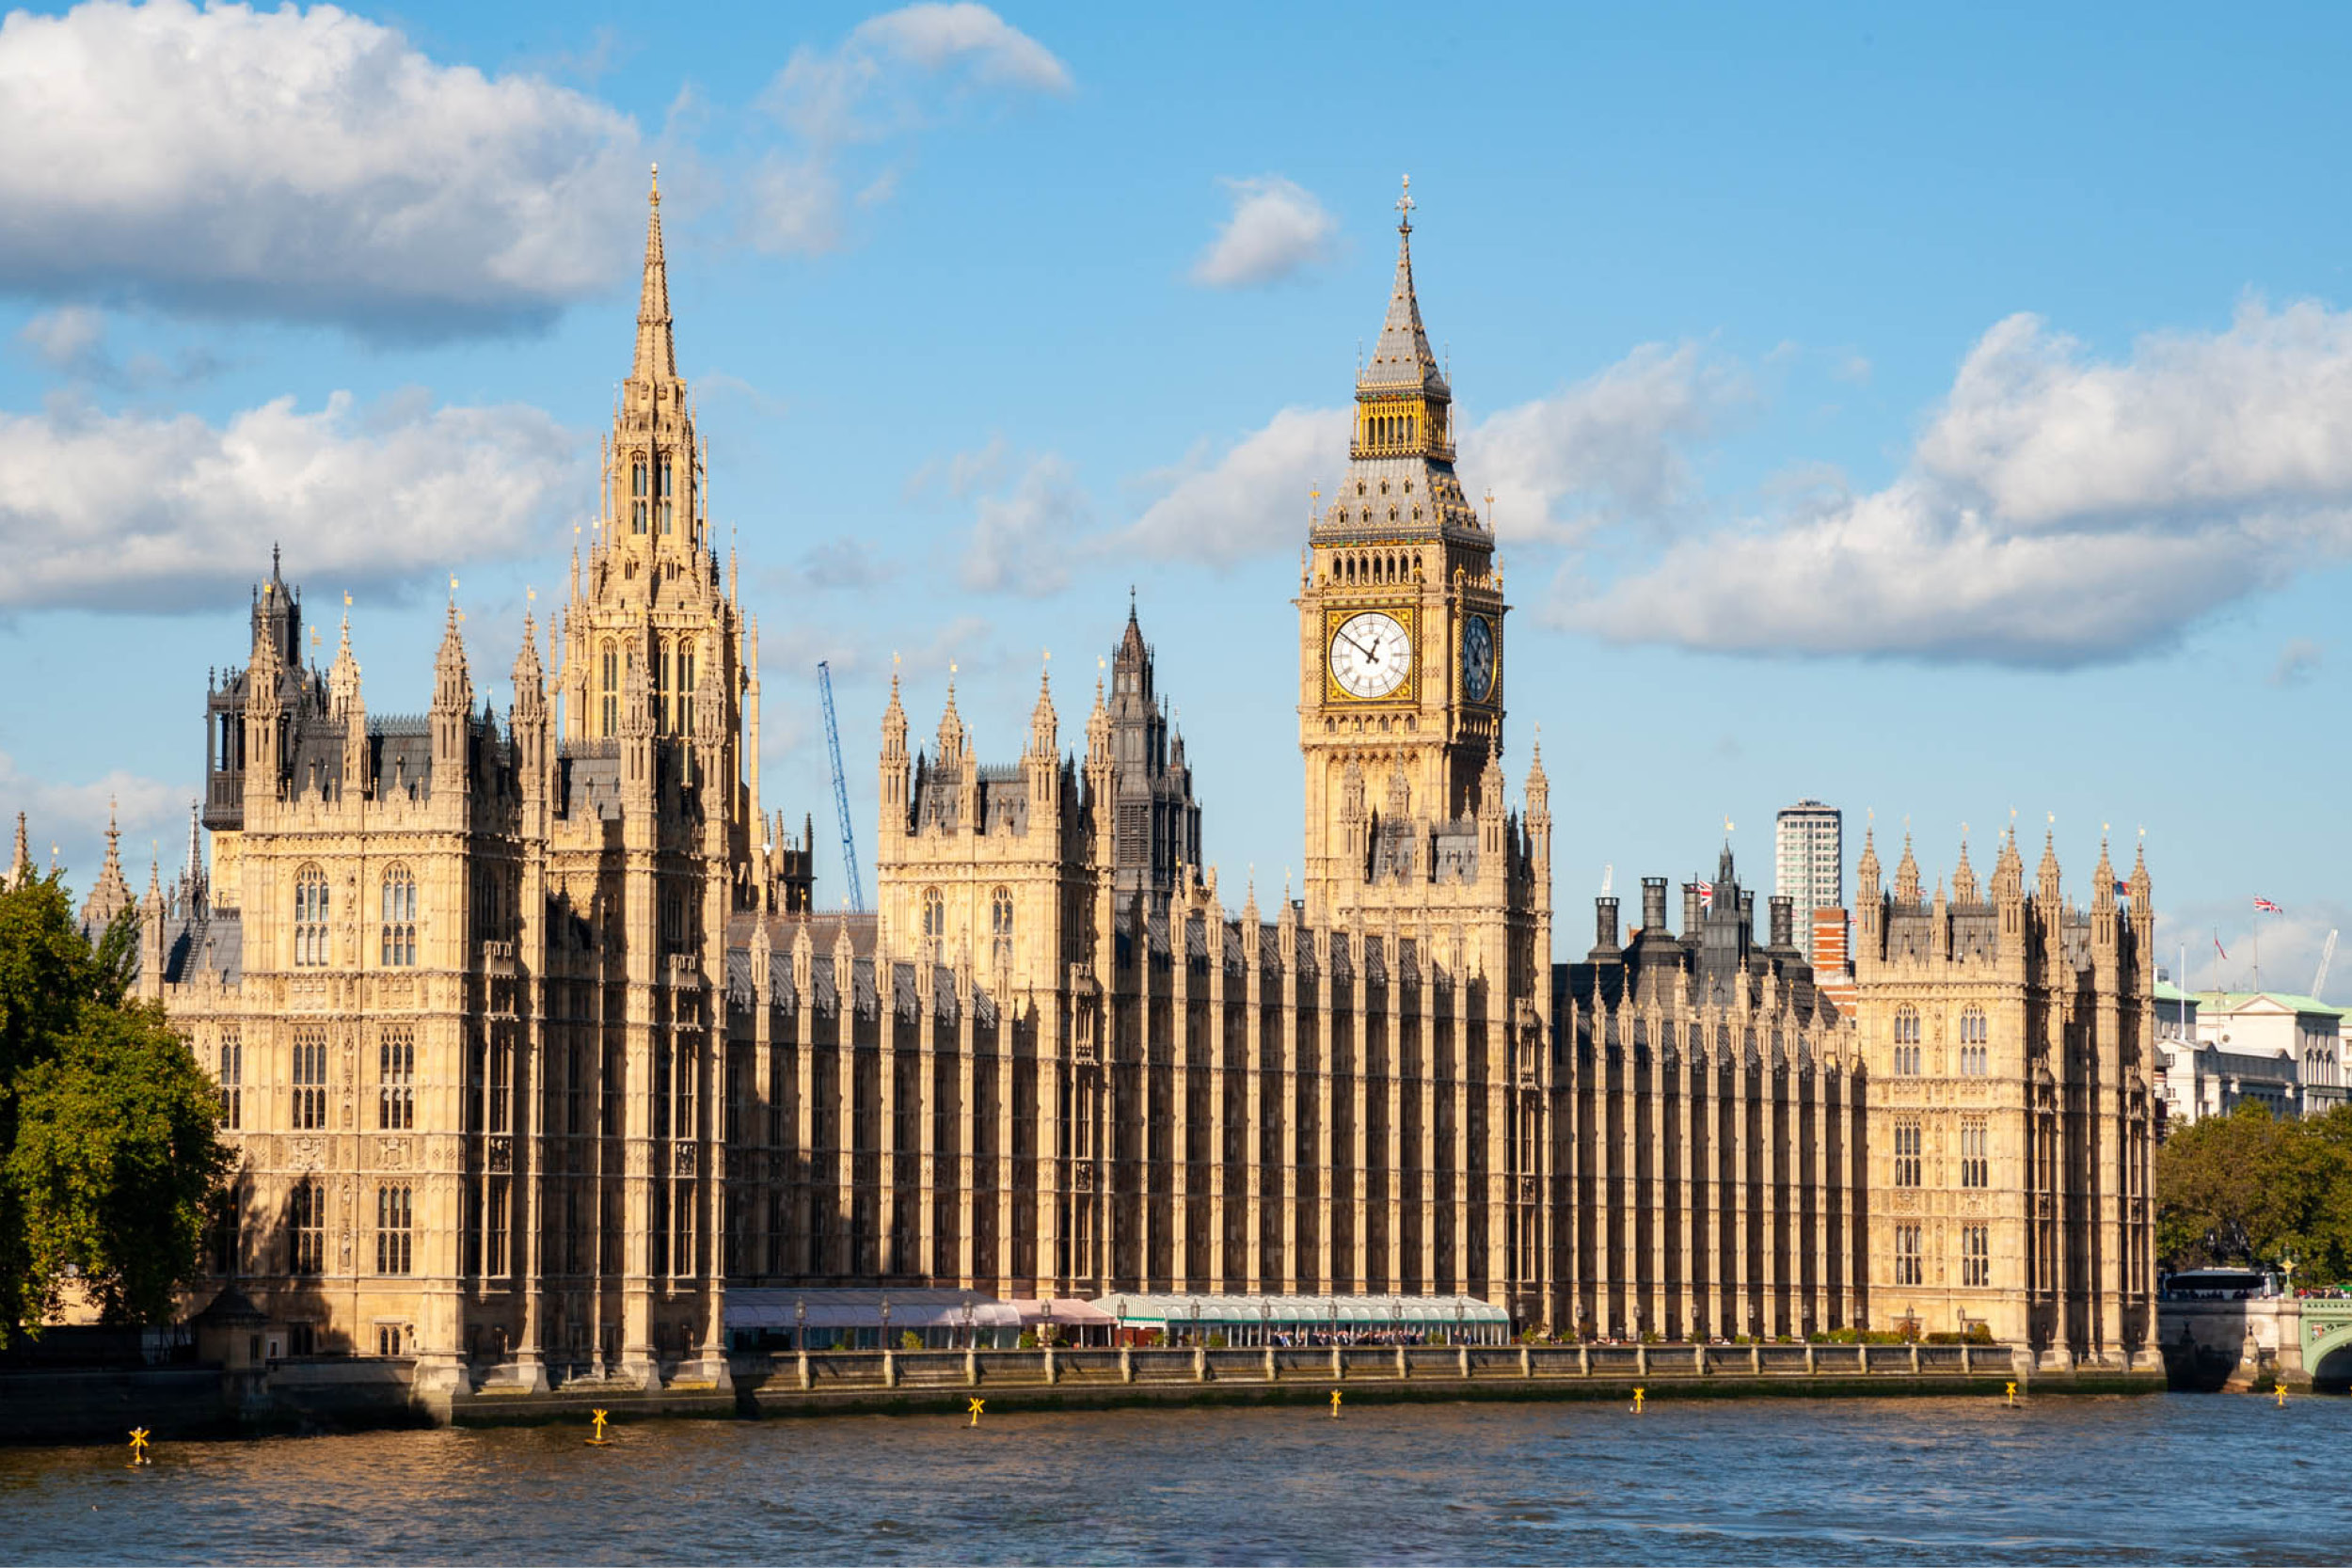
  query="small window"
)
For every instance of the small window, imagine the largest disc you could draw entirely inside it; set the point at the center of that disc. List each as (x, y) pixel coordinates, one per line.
(682, 1233)
(392, 1231)
(612, 690)
(1000, 923)
(1910, 1268)
(1975, 1163)
(494, 1224)
(1975, 1256)
(307, 1225)
(231, 1080)
(310, 917)
(934, 915)
(396, 1079)
(666, 511)
(308, 1113)
(398, 944)
(1974, 1052)
(1906, 1042)
(1907, 1162)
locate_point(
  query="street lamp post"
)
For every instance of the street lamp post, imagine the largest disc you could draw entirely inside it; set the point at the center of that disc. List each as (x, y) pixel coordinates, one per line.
(800, 1324)
(967, 1327)
(1331, 1316)
(1123, 1321)
(885, 1322)
(1047, 1336)
(1265, 1322)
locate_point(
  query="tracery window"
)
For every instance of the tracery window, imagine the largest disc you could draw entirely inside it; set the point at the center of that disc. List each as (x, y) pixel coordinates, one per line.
(1910, 1268)
(310, 916)
(1000, 923)
(392, 1229)
(399, 946)
(494, 1225)
(231, 1080)
(1906, 1042)
(665, 494)
(1907, 1162)
(306, 1213)
(637, 490)
(1975, 1054)
(308, 1113)
(685, 688)
(1975, 1256)
(612, 690)
(1976, 1162)
(682, 1232)
(934, 913)
(396, 1077)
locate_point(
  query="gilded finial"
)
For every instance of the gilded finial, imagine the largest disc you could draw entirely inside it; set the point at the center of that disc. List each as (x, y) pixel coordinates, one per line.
(1405, 206)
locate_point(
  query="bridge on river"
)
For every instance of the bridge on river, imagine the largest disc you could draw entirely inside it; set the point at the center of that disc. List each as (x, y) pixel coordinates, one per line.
(2326, 1329)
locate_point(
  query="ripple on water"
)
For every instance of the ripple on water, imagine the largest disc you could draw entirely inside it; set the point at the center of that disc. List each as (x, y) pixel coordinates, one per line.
(1925, 1481)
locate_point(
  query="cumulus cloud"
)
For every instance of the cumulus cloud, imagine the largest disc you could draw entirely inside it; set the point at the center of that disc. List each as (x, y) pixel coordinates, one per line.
(71, 341)
(1274, 229)
(1613, 446)
(2057, 511)
(312, 165)
(134, 512)
(1251, 500)
(1021, 540)
(895, 76)
(74, 818)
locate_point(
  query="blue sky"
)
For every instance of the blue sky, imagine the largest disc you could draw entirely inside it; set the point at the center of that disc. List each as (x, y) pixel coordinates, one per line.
(1943, 414)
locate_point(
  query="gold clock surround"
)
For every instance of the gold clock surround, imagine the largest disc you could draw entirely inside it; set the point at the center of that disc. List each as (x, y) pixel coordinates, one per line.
(1407, 691)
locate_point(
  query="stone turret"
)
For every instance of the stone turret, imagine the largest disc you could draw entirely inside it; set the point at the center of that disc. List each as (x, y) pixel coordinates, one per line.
(452, 710)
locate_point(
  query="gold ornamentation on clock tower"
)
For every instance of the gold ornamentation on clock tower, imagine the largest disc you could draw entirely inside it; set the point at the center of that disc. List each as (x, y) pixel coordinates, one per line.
(1401, 615)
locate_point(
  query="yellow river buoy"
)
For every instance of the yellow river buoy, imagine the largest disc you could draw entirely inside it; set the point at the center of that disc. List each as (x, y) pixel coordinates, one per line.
(978, 1405)
(2012, 1394)
(599, 1440)
(1335, 1405)
(138, 1445)
(1637, 1402)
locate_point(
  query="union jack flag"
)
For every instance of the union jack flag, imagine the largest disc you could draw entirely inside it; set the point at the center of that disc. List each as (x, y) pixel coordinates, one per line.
(1707, 894)
(2264, 906)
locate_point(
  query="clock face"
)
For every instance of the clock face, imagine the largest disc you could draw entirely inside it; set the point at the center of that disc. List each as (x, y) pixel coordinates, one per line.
(1371, 656)
(1478, 659)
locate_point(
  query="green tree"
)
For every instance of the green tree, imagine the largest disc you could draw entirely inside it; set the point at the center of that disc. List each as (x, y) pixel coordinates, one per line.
(110, 1154)
(2249, 1189)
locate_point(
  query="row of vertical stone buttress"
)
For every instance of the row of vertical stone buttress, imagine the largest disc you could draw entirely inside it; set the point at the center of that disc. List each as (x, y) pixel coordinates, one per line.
(1653, 1238)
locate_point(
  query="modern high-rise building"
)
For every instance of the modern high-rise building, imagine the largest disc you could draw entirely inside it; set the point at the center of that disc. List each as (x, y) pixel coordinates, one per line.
(1808, 859)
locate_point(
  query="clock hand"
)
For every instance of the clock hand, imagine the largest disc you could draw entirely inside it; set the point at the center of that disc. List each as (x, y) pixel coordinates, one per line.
(1358, 646)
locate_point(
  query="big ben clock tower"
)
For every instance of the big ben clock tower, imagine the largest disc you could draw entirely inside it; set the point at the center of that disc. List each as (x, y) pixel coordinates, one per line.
(1401, 649)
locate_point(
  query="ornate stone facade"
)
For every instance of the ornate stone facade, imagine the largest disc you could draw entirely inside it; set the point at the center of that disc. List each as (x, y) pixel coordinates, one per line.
(555, 982)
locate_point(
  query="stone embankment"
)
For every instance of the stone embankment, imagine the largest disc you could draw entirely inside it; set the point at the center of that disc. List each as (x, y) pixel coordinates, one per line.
(336, 1393)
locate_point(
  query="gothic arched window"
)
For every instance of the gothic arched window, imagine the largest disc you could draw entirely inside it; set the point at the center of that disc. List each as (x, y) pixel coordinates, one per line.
(1000, 923)
(310, 916)
(612, 704)
(637, 490)
(1906, 1042)
(685, 683)
(934, 915)
(665, 494)
(1974, 1052)
(399, 946)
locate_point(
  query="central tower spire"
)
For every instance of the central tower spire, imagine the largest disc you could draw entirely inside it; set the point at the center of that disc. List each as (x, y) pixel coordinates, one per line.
(657, 347)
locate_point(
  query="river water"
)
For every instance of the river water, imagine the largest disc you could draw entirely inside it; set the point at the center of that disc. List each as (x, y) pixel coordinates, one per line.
(2163, 1478)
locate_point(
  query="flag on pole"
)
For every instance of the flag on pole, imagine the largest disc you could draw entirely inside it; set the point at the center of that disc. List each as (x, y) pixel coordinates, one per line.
(2218, 948)
(2122, 890)
(2263, 905)
(1707, 894)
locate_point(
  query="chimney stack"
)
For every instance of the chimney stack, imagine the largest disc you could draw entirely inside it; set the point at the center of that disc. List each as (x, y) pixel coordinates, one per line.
(1784, 921)
(1605, 924)
(1689, 912)
(1654, 903)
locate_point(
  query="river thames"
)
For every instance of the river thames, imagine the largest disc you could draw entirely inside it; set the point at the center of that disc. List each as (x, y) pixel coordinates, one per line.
(2149, 1479)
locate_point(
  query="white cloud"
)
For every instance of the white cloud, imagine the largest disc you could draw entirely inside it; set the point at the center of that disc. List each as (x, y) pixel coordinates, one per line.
(152, 815)
(2057, 511)
(1275, 227)
(1022, 541)
(1253, 500)
(66, 340)
(1612, 447)
(71, 342)
(895, 75)
(301, 164)
(132, 511)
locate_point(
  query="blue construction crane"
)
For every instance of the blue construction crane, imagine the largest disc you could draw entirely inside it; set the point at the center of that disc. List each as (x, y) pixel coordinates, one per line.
(841, 791)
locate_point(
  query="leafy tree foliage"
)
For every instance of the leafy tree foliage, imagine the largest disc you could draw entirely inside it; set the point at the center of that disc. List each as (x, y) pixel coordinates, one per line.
(110, 1153)
(2249, 1189)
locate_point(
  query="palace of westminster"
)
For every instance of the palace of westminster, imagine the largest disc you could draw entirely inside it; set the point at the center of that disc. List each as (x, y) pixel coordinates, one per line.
(534, 1046)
